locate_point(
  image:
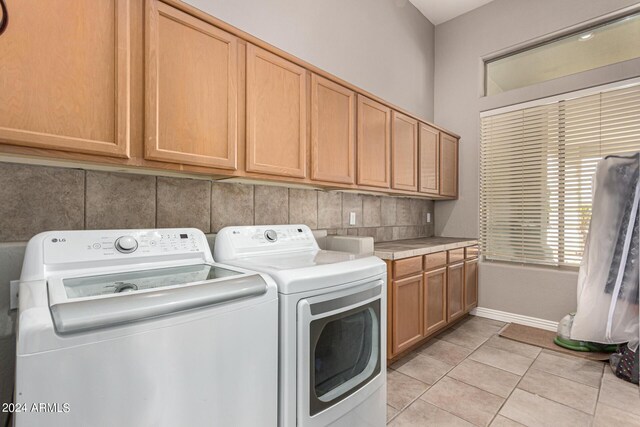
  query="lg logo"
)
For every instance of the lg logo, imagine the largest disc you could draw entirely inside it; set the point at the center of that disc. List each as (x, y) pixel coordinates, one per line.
(62, 240)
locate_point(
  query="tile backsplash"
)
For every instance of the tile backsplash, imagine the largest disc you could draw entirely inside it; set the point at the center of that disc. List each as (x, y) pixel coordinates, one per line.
(40, 198)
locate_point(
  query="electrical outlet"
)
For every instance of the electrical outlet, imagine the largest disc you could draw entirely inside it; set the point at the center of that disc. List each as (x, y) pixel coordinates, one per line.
(352, 218)
(14, 285)
(428, 217)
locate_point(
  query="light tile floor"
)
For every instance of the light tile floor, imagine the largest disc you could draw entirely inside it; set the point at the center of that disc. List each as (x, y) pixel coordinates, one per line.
(469, 376)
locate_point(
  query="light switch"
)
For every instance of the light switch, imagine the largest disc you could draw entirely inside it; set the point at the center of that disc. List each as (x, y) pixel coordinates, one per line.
(352, 218)
(428, 216)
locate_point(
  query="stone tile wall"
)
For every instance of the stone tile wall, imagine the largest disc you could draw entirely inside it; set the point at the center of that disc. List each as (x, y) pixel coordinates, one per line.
(40, 198)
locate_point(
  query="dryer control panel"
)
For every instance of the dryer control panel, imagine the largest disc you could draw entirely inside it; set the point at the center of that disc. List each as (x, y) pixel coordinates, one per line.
(232, 242)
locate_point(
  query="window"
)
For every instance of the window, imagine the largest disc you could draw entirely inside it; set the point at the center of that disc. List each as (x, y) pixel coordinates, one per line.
(609, 43)
(536, 167)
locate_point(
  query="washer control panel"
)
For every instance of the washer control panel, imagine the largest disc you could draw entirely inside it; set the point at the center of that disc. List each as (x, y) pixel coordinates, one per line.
(74, 246)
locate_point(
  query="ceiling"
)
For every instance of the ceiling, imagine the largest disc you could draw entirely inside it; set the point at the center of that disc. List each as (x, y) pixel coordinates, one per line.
(439, 11)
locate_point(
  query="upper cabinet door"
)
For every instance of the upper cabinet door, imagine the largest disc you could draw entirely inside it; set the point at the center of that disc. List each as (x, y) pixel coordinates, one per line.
(65, 74)
(429, 160)
(404, 152)
(333, 128)
(191, 90)
(374, 143)
(448, 165)
(276, 115)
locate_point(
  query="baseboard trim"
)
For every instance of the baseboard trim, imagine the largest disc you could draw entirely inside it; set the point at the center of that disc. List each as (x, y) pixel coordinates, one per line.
(505, 316)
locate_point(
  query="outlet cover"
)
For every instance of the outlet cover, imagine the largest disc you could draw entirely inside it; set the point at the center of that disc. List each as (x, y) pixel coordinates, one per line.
(14, 285)
(428, 216)
(352, 218)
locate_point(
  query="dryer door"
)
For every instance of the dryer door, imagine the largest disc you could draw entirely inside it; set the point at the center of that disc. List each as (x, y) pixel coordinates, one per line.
(339, 348)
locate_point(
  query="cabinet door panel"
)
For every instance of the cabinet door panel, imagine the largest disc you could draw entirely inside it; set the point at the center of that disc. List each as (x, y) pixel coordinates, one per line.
(435, 300)
(471, 284)
(276, 115)
(455, 291)
(374, 143)
(448, 165)
(191, 114)
(65, 73)
(333, 117)
(404, 152)
(408, 313)
(429, 160)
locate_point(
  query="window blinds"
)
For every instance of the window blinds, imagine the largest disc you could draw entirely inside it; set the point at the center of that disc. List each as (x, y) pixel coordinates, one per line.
(536, 171)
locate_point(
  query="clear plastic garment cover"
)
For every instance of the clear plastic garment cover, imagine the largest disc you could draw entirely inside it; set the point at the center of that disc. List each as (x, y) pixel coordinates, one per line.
(608, 281)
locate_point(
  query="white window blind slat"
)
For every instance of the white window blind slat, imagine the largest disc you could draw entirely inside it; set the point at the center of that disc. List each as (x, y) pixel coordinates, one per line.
(536, 171)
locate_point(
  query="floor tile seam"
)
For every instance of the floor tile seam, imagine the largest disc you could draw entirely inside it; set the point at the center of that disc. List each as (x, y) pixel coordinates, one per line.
(503, 370)
(518, 354)
(551, 400)
(509, 397)
(476, 387)
(567, 379)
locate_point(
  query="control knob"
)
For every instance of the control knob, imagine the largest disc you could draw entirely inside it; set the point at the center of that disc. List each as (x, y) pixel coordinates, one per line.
(126, 244)
(271, 235)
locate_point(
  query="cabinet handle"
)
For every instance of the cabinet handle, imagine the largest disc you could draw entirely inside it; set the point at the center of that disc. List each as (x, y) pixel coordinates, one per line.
(5, 17)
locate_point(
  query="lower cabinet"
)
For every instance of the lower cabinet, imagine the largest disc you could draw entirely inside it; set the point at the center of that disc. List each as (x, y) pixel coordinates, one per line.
(428, 293)
(408, 313)
(455, 291)
(435, 300)
(470, 284)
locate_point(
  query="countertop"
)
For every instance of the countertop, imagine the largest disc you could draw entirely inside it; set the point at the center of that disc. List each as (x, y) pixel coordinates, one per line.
(399, 249)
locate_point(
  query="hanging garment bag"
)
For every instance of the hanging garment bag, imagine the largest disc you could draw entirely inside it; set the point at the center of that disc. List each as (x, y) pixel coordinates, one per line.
(608, 280)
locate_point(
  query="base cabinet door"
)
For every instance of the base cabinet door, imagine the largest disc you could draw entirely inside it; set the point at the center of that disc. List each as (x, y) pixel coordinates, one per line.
(191, 92)
(435, 300)
(455, 291)
(276, 115)
(65, 76)
(470, 284)
(408, 313)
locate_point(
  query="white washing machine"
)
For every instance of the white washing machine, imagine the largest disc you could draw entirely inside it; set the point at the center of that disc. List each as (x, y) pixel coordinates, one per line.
(142, 328)
(332, 324)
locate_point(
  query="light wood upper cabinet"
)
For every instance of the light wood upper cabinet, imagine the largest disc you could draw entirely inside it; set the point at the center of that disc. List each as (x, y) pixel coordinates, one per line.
(191, 90)
(470, 284)
(435, 300)
(408, 313)
(429, 159)
(333, 131)
(276, 115)
(455, 291)
(404, 152)
(374, 143)
(448, 165)
(65, 76)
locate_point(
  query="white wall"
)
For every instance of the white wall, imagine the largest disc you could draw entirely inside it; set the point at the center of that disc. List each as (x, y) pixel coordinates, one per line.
(385, 47)
(460, 46)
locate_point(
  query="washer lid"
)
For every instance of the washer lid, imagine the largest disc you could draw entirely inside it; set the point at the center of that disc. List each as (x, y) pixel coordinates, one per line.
(84, 303)
(133, 281)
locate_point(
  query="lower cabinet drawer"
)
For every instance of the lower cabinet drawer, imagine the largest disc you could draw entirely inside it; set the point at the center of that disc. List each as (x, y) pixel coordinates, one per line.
(407, 267)
(471, 252)
(435, 260)
(456, 255)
